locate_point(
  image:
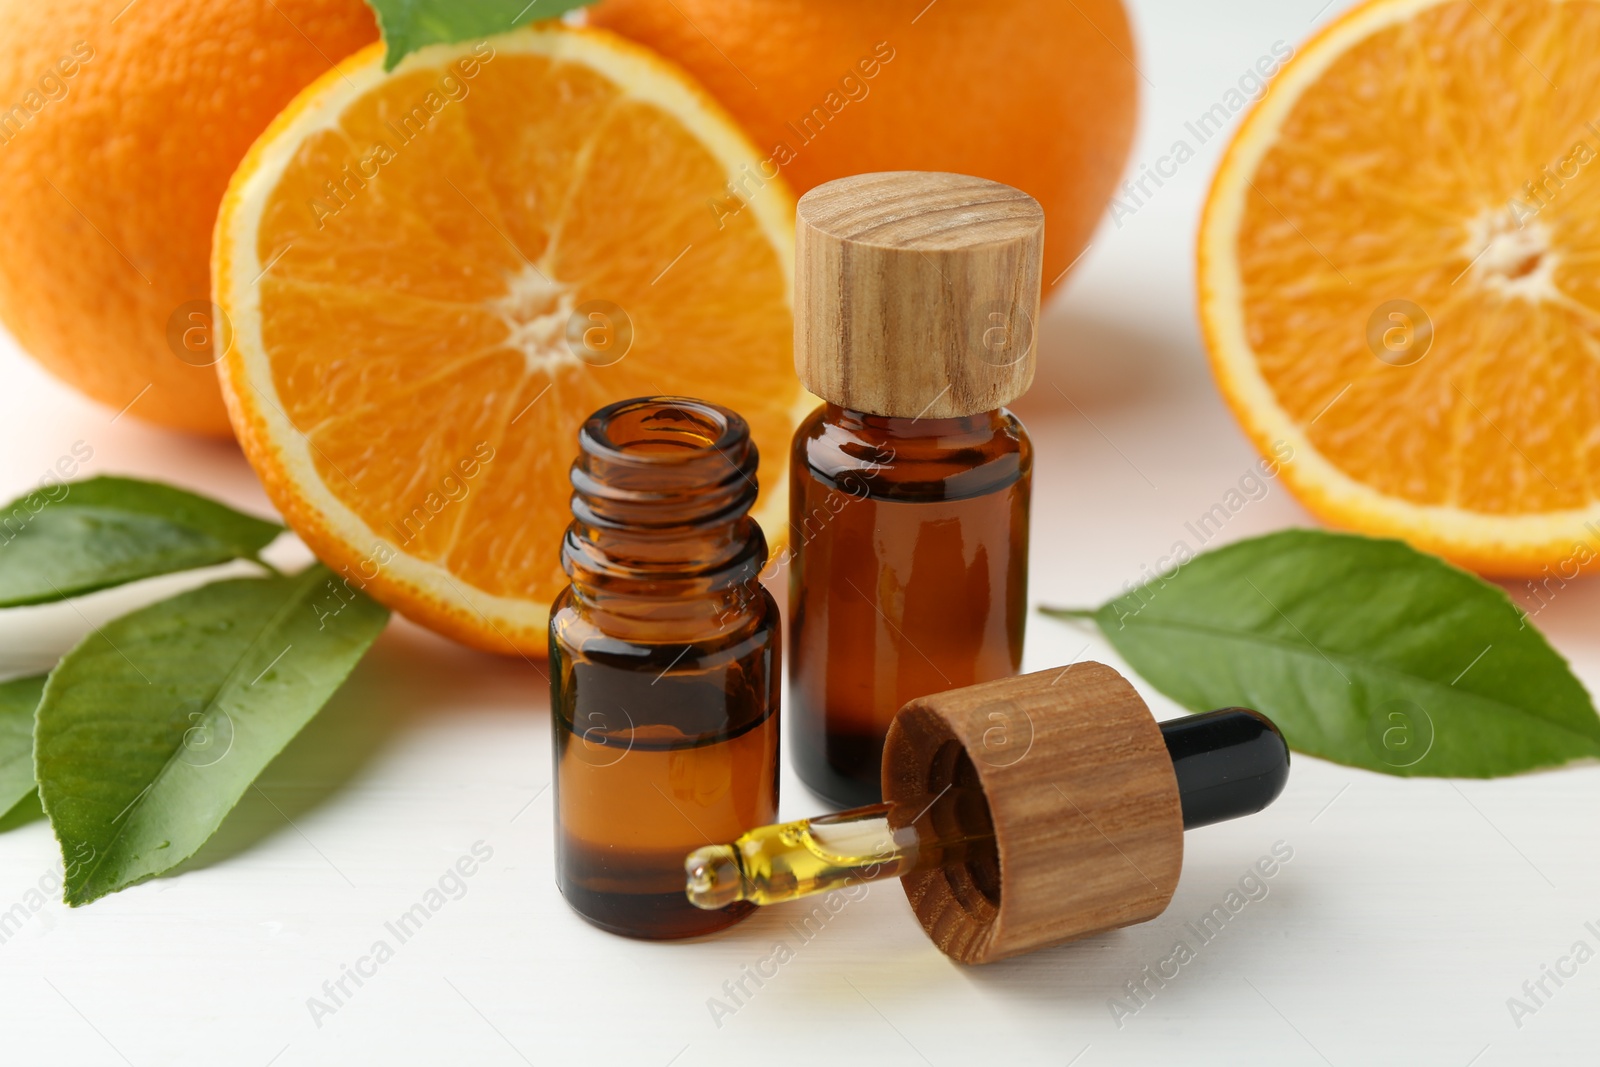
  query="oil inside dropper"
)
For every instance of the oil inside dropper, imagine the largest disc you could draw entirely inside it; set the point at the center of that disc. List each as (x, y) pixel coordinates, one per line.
(786, 861)
(1227, 763)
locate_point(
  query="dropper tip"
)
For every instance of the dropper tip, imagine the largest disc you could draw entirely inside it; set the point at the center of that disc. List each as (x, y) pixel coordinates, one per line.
(712, 877)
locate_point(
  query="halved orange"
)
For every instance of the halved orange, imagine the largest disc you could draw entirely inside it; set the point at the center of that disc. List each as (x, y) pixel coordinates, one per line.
(1399, 277)
(433, 276)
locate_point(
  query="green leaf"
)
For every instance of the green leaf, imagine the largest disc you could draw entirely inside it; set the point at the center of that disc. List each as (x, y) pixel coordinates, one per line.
(152, 728)
(1364, 652)
(19, 698)
(77, 537)
(412, 24)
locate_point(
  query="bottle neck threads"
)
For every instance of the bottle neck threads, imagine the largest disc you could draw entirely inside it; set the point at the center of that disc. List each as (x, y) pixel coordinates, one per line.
(661, 531)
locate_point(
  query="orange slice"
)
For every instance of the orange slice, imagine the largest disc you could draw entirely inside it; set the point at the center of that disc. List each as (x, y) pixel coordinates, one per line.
(1399, 278)
(433, 276)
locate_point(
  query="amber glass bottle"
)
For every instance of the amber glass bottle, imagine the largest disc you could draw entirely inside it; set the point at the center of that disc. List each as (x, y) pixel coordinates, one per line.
(664, 657)
(909, 577)
(916, 297)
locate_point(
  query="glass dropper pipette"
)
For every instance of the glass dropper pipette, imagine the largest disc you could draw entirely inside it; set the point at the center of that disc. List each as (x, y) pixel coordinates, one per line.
(796, 859)
(1228, 763)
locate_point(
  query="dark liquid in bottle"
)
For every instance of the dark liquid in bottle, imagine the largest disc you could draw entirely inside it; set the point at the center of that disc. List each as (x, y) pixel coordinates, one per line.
(909, 542)
(672, 748)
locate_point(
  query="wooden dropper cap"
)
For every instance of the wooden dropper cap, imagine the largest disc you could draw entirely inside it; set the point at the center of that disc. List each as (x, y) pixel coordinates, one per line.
(917, 293)
(1088, 797)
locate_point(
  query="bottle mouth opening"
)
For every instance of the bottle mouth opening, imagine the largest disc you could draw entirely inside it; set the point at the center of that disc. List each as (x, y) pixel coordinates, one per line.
(661, 463)
(664, 431)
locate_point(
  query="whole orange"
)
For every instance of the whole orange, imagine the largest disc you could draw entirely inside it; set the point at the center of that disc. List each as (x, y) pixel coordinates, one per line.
(1039, 94)
(120, 125)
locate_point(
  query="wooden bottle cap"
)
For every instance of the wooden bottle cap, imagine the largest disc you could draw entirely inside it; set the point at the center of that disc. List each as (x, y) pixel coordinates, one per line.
(917, 293)
(1088, 822)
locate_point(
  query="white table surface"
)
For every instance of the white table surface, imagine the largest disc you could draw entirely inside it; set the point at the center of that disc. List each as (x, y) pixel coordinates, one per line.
(1410, 912)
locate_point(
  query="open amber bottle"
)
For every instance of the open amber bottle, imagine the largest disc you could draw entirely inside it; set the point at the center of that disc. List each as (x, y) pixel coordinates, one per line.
(664, 656)
(916, 298)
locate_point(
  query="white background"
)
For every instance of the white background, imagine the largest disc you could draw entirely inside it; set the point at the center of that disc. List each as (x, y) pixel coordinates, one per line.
(1409, 914)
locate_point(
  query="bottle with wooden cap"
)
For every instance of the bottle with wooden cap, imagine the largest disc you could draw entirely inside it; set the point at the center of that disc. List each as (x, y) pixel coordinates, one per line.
(916, 296)
(1019, 813)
